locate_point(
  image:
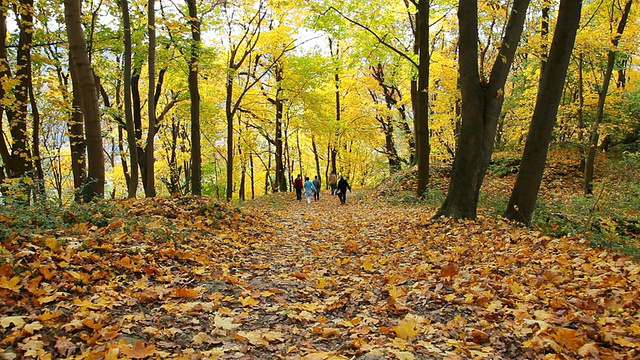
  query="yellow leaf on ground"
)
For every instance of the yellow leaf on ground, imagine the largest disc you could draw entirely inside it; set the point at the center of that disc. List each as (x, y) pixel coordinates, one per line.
(224, 323)
(17, 321)
(248, 301)
(12, 284)
(407, 328)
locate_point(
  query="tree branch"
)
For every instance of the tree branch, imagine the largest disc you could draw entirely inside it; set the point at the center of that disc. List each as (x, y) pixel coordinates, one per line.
(380, 40)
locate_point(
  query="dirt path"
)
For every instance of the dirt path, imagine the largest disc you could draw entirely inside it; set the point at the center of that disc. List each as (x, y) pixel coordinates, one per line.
(374, 281)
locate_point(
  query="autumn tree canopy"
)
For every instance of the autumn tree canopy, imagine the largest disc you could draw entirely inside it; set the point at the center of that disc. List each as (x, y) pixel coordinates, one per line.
(234, 99)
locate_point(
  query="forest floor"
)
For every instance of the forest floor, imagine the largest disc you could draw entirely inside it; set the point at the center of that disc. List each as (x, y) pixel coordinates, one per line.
(189, 278)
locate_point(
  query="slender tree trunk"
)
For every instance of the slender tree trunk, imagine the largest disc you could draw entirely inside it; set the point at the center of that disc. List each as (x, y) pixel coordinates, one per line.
(136, 107)
(89, 99)
(525, 190)
(316, 156)
(602, 96)
(281, 180)
(132, 183)
(5, 73)
(481, 107)
(196, 151)
(334, 49)
(583, 159)
(37, 158)
(150, 161)
(229, 115)
(253, 179)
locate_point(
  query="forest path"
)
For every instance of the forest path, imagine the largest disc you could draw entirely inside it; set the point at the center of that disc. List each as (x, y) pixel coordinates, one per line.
(371, 278)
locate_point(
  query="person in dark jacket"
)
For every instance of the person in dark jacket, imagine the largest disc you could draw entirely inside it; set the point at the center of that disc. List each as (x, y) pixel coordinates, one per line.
(298, 184)
(341, 189)
(316, 184)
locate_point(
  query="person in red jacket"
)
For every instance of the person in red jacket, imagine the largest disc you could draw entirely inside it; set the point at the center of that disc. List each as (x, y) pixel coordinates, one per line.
(298, 184)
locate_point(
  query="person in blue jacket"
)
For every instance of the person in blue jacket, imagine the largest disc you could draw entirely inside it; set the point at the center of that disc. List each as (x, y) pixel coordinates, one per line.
(309, 190)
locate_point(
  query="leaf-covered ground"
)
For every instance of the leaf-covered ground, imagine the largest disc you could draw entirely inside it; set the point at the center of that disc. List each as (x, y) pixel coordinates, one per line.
(279, 279)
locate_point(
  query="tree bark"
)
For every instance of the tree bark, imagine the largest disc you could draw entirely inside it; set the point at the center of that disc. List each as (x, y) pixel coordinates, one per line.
(481, 106)
(525, 190)
(89, 99)
(132, 183)
(16, 155)
(194, 93)
(150, 190)
(421, 119)
(595, 132)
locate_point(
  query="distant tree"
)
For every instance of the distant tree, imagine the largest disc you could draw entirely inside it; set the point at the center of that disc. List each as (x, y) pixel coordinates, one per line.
(602, 96)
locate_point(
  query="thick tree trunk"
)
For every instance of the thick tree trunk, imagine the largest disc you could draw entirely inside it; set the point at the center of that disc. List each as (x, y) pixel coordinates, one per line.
(421, 120)
(481, 107)
(89, 98)
(525, 190)
(194, 93)
(132, 183)
(77, 142)
(595, 132)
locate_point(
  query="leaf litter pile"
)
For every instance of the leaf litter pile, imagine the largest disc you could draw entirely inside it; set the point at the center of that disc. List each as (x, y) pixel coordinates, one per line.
(188, 278)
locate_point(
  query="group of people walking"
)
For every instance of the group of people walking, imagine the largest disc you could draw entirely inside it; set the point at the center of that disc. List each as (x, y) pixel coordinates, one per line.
(311, 188)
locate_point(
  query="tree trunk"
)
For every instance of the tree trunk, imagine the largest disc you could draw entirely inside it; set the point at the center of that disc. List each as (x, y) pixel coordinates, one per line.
(194, 93)
(335, 55)
(89, 99)
(37, 158)
(593, 139)
(421, 119)
(132, 183)
(16, 155)
(544, 35)
(525, 190)
(229, 115)
(136, 107)
(583, 159)
(481, 106)
(281, 180)
(316, 156)
(150, 160)
(252, 176)
(77, 142)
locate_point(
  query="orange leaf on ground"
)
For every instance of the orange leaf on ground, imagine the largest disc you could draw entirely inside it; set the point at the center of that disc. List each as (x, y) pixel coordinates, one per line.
(138, 350)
